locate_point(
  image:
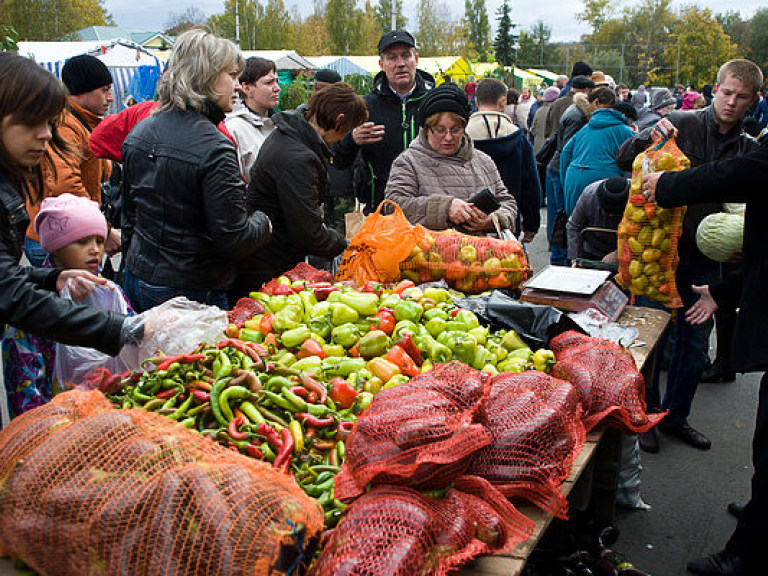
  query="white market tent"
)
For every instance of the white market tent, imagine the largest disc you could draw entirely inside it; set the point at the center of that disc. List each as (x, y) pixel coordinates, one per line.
(283, 59)
(122, 57)
(340, 64)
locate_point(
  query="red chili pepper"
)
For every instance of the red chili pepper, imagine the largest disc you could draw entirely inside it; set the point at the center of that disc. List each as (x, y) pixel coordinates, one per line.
(402, 286)
(299, 391)
(343, 430)
(254, 452)
(165, 394)
(343, 393)
(258, 348)
(314, 386)
(201, 396)
(386, 321)
(310, 347)
(403, 361)
(166, 361)
(285, 467)
(271, 435)
(234, 433)
(284, 453)
(407, 344)
(314, 421)
(372, 287)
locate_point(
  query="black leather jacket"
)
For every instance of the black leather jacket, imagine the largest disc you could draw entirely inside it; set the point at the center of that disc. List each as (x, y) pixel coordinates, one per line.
(699, 139)
(28, 298)
(184, 217)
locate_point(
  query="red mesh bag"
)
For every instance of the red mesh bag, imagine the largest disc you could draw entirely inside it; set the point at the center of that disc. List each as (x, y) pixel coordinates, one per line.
(648, 235)
(470, 264)
(612, 391)
(399, 531)
(417, 434)
(302, 271)
(536, 431)
(87, 489)
(245, 309)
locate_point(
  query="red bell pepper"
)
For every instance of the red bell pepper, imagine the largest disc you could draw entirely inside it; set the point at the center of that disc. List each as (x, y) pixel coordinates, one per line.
(265, 326)
(310, 347)
(282, 290)
(403, 361)
(407, 344)
(343, 393)
(402, 286)
(372, 287)
(322, 289)
(386, 321)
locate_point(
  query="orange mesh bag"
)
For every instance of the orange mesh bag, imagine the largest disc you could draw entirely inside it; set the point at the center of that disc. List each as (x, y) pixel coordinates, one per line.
(611, 389)
(470, 264)
(378, 248)
(648, 235)
(87, 489)
(401, 532)
(536, 431)
(417, 434)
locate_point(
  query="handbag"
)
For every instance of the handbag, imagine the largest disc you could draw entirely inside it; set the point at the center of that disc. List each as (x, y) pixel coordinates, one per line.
(547, 150)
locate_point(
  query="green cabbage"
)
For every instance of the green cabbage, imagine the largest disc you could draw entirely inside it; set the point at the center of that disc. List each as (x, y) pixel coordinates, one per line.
(720, 235)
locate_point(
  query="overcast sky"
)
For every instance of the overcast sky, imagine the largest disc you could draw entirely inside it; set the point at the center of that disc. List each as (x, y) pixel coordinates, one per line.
(559, 14)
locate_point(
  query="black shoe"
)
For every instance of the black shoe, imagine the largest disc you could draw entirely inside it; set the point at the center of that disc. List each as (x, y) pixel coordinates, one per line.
(736, 508)
(687, 434)
(649, 441)
(717, 374)
(724, 563)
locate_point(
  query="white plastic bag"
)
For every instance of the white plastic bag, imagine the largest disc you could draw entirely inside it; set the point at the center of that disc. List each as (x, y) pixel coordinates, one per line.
(73, 363)
(177, 326)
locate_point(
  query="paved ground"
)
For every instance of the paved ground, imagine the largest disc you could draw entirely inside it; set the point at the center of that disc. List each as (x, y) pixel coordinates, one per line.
(687, 489)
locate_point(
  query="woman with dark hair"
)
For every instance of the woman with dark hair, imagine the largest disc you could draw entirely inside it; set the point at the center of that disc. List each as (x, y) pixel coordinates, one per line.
(289, 183)
(184, 218)
(31, 104)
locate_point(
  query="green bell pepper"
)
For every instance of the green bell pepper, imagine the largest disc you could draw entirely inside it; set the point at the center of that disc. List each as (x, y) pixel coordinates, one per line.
(435, 326)
(295, 337)
(334, 297)
(491, 369)
(512, 341)
(435, 313)
(438, 353)
(543, 360)
(347, 334)
(375, 343)
(307, 364)
(363, 303)
(308, 301)
(321, 326)
(481, 334)
(513, 365)
(251, 335)
(334, 350)
(408, 310)
(396, 380)
(333, 367)
(482, 356)
(467, 317)
(405, 326)
(321, 309)
(522, 353)
(343, 314)
(390, 301)
(288, 318)
(462, 345)
(437, 294)
(456, 326)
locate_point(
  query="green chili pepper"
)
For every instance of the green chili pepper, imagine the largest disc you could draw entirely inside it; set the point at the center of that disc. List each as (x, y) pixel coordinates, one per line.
(299, 404)
(277, 400)
(181, 410)
(222, 366)
(234, 393)
(308, 364)
(251, 335)
(278, 382)
(251, 412)
(308, 301)
(216, 391)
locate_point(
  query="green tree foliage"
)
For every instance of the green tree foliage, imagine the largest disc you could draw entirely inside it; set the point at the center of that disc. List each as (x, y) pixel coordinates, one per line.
(9, 39)
(362, 83)
(296, 93)
(433, 24)
(758, 38)
(477, 28)
(310, 36)
(384, 10)
(703, 47)
(504, 43)
(262, 27)
(179, 22)
(341, 19)
(596, 13)
(274, 26)
(368, 30)
(43, 20)
(737, 28)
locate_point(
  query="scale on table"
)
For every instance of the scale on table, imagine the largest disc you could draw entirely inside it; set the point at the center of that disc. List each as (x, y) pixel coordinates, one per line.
(575, 289)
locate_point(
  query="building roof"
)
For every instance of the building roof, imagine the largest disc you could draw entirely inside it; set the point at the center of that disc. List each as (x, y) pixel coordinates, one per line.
(105, 33)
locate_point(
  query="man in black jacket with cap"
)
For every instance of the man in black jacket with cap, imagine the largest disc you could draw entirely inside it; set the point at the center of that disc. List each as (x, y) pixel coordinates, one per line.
(392, 104)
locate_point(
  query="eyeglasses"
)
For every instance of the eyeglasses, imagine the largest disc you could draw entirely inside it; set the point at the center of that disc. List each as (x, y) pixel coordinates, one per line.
(441, 131)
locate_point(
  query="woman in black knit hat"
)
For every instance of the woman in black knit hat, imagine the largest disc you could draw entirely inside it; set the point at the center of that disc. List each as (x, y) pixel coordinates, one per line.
(433, 180)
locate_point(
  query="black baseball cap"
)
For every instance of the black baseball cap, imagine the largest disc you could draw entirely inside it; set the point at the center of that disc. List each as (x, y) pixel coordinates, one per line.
(396, 37)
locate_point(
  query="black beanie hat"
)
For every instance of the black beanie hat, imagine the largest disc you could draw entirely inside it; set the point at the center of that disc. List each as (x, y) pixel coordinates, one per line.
(84, 73)
(447, 97)
(612, 194)
(327, 75)
(581, 69)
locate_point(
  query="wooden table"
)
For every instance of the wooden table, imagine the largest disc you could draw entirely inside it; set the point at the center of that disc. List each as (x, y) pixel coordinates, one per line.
(650, 324)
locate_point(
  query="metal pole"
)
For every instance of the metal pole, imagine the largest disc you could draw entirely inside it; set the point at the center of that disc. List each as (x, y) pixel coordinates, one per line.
(677, 67)
(237, 23)
(394, 14)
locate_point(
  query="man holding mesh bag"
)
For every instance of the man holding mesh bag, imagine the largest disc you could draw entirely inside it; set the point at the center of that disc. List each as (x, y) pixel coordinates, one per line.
(704, 135)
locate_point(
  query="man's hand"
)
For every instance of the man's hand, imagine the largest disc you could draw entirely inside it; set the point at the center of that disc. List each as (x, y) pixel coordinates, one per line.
(528, 236)
(704, 307)
(650, 181)
(664, 128)
(368, 133)
(80, 283)
(113, 243)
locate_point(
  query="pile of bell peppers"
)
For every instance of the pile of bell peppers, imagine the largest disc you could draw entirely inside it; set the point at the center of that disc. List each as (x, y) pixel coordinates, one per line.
(288, 385)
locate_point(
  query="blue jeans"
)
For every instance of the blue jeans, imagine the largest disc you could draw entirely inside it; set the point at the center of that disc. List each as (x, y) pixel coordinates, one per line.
(555, 203)
(34, 253)
(144, 295)
(690, 347)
